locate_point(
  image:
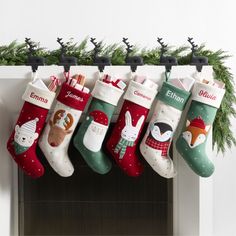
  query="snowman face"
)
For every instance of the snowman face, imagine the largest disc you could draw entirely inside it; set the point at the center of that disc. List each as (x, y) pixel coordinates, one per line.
(162, 137)
(24, 139)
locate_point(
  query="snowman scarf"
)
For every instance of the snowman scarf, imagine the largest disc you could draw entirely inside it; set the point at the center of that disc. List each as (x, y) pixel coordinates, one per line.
(122, 146)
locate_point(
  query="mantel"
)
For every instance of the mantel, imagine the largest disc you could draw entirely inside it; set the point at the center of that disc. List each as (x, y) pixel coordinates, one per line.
(193, 207)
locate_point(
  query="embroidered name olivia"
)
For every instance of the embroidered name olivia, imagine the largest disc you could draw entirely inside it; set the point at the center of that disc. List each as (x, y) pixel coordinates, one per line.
(142, 95)
(173, 95)
(38, 98)
(205, 94)
(71, 95)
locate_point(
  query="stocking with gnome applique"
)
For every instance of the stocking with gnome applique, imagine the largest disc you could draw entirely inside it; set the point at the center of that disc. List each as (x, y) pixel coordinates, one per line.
(191, 144)
(91, 134)
(57, 134)
(171, 101)
(23, 140)
(126, 133)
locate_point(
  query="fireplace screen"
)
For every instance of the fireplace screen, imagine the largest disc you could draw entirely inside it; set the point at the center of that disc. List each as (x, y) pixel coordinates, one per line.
(91, 204)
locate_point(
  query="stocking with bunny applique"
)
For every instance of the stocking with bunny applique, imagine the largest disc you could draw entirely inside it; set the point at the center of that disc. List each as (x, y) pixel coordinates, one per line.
(125, 135)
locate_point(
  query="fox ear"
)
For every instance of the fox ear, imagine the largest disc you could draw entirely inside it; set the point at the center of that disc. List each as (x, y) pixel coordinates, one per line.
(207, 127)
(187, 123)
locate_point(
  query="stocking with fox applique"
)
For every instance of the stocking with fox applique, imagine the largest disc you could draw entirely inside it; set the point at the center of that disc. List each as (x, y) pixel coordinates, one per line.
(191, 144)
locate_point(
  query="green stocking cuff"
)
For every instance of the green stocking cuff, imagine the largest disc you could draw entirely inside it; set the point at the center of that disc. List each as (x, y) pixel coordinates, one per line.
(173, 96)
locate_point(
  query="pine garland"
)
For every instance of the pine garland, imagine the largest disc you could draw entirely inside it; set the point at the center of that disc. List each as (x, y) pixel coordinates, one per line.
(16, 54)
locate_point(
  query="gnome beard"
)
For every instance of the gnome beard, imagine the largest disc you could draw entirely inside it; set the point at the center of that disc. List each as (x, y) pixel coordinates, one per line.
(95, 134)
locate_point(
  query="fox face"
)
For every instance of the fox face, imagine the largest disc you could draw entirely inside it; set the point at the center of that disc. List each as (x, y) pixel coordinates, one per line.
(196, 132)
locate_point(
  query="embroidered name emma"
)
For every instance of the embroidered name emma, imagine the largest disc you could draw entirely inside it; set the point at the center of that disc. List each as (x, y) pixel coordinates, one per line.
(173, 95)
(141, 95)
(71, 95)
(205, 94)
(36, 97)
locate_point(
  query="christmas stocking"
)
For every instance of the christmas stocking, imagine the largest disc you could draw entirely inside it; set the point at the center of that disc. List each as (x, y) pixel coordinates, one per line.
(125, 135)
(156, 142)
(92, 131)
(191, 144)
(57, 134)
(23, 140)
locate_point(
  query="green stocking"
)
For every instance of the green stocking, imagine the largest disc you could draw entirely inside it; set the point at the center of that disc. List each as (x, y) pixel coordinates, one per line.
(92, 131)
(191, 144)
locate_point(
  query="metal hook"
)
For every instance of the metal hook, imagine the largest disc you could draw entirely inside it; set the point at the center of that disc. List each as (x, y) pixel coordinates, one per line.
(198, 61)
(33, 61)
(167, 61)
(65, 61)
(132, 61)
(100, 61)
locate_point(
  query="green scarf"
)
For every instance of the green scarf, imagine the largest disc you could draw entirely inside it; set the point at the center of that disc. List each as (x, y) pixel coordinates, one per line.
(122, 146)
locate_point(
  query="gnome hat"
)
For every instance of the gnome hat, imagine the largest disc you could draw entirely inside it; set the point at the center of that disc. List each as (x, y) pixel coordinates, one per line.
(30, 126)
(99, 117)
(198, 122)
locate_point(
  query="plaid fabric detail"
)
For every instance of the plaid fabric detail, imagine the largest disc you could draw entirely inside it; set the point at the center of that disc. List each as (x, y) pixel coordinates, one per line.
(163, 146)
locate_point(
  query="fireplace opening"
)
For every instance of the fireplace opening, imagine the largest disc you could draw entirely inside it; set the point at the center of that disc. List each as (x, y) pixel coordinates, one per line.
(91, 204)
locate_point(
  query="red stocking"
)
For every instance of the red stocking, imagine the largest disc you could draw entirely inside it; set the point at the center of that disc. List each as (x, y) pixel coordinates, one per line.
(23, 140)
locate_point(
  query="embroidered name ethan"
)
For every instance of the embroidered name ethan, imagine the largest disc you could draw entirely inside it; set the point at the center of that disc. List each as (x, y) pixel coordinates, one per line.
(71, 95)
(38, 98)
(173, 95)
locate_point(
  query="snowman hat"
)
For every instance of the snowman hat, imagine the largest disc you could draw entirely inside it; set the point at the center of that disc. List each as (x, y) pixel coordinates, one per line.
(99, 117)
(30, 126)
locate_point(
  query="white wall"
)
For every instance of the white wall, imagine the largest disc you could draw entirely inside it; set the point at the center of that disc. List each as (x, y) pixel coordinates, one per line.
(142, 21)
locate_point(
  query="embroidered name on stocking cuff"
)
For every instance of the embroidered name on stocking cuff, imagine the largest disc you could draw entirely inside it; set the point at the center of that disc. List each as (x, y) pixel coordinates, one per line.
(173, 96)
(38, 96)
(73, 97)
(208, 94)
(139, 94)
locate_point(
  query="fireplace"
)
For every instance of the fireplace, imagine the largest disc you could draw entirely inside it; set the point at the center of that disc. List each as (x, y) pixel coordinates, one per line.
(91, 204)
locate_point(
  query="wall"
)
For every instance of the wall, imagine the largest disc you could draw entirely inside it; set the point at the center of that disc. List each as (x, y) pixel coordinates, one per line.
(142, 21)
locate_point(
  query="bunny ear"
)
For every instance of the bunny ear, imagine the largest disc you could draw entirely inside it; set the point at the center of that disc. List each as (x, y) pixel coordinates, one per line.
(140, 122)
(128, 119)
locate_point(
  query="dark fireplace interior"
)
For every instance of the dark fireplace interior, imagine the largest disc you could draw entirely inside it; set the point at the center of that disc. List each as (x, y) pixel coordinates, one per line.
(91, 204)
